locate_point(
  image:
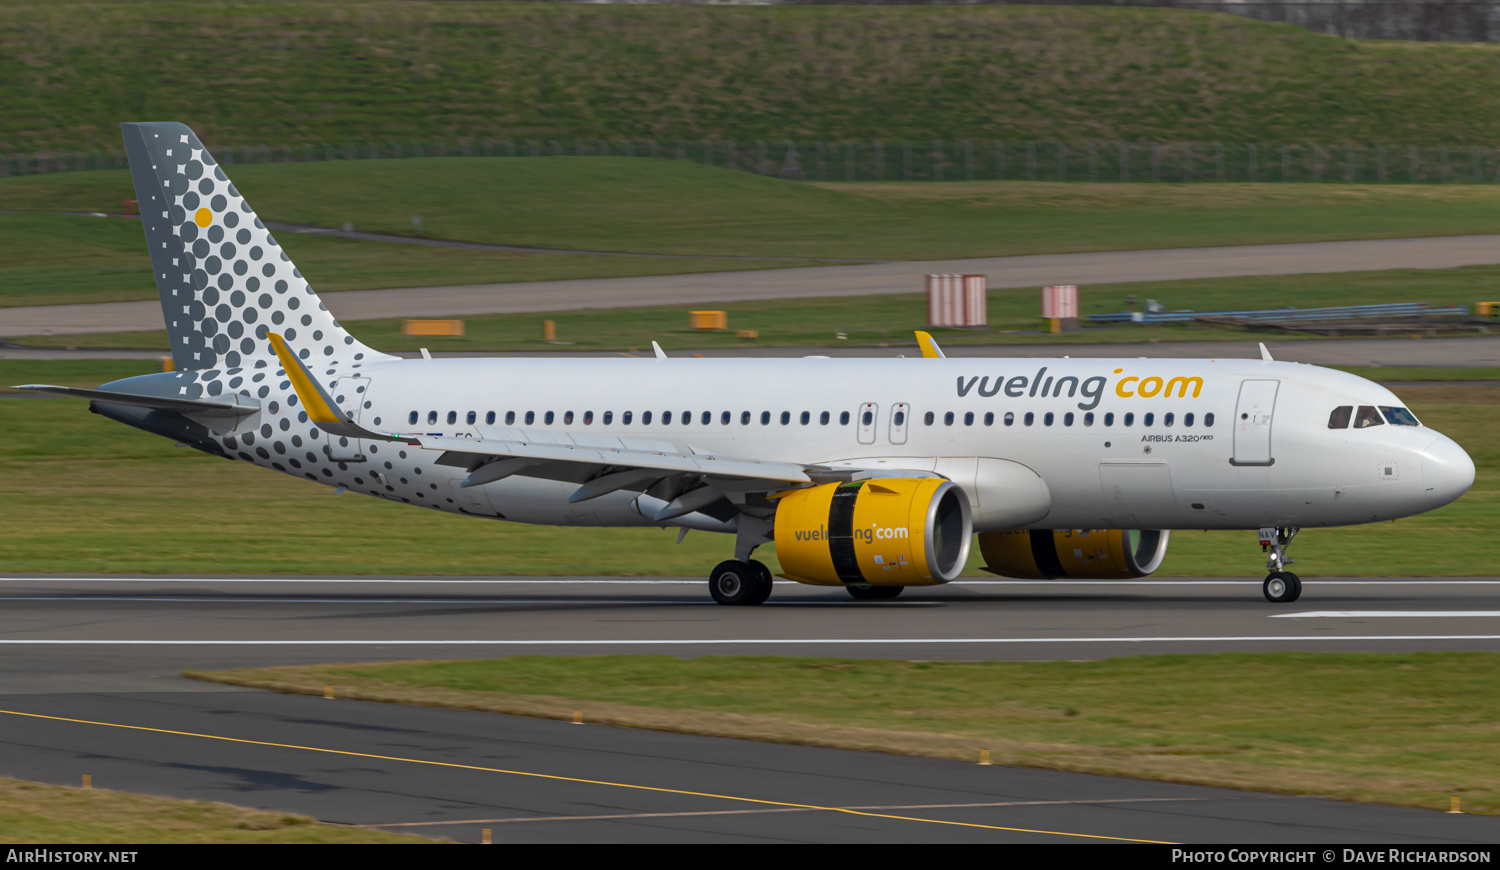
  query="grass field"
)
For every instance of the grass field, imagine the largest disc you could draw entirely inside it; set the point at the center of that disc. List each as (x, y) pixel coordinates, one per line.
(1410, 729)
(354, 70)
(83, 494)
(674, 207)
(890, 320)
(31, 812)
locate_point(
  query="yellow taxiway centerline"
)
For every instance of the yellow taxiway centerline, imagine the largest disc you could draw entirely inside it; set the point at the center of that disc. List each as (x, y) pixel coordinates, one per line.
(560, 778)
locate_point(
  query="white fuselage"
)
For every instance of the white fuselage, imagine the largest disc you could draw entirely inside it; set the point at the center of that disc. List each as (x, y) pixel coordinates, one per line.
(1237, 444)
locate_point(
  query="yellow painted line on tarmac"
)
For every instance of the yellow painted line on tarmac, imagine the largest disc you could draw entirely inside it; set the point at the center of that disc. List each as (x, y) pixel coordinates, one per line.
(559, 778)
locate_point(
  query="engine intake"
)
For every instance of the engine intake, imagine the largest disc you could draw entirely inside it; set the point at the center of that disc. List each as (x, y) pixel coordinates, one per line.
(1081, 554)
(893, 531)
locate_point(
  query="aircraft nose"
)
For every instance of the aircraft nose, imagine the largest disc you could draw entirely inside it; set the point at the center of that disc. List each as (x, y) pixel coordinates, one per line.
(1447, 471)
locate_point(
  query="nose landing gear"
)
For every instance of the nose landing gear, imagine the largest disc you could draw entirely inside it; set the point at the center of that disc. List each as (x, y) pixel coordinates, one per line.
(1281, 586)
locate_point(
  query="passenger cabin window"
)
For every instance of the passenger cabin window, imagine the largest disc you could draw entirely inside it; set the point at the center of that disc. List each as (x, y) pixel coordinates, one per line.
(989, 418)
(1029, 418)
(588, 418)
(510, 418)
(1398, 416)
(567, 418)
(1150, 418)
(929, 418)
(745, 418)
(489, 418)
(666, 418)
(765, 418)
(724, 418)
(645, 418)
(900, 419)
(432, 418)
(472, 418)
(452, 417)
(1167, 419)
(948, 419)
(1208, 419)
(1068, 419)
(1340, 417)
(1187, 419)
(708, 417)
(1366, 417)
(626, 417)
(806, 418)
(823, 419)
(1010, 418)
(412, 419)
(549, 418)
(609, 417)
(969, 418)
(1047, 419)
(844, 419)
(530, 417)
(1088, 418)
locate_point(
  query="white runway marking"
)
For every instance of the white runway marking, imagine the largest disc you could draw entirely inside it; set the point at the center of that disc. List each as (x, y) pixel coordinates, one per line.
(881, 641)
(1382, 614)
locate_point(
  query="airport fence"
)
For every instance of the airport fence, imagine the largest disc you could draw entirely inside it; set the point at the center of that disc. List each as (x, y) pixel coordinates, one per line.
(934, 160)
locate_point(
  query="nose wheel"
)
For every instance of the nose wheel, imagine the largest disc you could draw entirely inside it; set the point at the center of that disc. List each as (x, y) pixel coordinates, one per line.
(1281, 586)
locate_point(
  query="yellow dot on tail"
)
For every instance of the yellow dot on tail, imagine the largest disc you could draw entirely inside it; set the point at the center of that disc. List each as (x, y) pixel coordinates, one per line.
(203, 217)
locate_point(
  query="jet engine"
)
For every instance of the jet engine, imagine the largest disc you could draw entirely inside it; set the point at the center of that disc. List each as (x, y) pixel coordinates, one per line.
(1080, 554)
(891, 531)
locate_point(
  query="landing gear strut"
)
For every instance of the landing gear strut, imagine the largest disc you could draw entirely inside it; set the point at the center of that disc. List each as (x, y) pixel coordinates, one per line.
(1281, 586)
(740, 582)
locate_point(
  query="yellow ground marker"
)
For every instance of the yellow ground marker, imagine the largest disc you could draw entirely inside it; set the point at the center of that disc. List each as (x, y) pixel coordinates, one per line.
(984, 756)
(577, 717)
(328, 692)
(484, 837)
(558, 778)
(88, 780)
(1453, 805)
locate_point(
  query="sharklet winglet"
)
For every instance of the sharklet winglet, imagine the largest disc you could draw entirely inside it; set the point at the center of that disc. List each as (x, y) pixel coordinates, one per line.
(929, 345)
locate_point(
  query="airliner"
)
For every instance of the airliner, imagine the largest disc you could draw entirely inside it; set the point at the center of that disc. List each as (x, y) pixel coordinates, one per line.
(869, 474)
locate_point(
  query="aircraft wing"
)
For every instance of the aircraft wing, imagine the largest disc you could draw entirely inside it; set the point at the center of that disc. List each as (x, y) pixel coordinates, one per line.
(478, 455)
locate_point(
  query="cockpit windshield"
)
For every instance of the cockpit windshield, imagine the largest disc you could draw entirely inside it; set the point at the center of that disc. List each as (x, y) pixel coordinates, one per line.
(1399, 416)
(1367, 416)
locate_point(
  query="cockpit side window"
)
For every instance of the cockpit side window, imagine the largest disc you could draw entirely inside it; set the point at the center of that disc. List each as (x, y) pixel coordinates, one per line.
(1399, 416)
(1339, 419)
(1366, 417)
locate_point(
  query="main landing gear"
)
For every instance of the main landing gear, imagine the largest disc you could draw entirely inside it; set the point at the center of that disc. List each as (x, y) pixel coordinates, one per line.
(1281, 586)
(740, 582)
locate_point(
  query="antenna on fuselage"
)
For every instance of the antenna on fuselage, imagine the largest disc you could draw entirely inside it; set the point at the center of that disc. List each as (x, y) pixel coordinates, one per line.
(1265, 355)
(660, 354)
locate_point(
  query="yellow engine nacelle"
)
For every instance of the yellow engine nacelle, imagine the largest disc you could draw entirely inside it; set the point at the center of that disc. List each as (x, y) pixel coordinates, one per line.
(892, 531)
(1080, 554)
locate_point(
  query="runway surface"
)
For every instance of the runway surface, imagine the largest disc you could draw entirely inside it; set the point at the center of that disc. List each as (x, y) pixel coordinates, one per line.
(89, 684)
(1106, 267)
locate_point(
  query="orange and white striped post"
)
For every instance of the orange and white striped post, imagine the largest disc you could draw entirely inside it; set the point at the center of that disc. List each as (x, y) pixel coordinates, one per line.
(957, 300)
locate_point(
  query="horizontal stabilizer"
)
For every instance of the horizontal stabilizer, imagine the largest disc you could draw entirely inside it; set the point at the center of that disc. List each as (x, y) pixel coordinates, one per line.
(228, 405)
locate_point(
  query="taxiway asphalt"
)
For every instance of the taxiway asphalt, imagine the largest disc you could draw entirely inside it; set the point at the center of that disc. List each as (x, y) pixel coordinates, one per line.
(1102, 267)
(89, 684)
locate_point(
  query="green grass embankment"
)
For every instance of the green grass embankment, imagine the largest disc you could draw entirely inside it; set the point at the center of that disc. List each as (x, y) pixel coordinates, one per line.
(1411, 729)
(337, 71)
(85, 494)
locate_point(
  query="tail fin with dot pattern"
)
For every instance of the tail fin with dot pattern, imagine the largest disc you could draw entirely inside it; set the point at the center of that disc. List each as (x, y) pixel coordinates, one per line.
(224, 282)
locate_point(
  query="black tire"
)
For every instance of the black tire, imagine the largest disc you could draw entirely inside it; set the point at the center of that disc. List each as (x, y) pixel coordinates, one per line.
(764, 581)
(1296, 586)
(874, 593)
(1281, 587)
(734, 582)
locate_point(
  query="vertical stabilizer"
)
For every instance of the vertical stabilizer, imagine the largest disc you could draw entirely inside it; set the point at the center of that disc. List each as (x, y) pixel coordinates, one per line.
(223, 280)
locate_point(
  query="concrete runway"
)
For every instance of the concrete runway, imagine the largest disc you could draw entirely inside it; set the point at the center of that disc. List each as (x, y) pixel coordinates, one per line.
(89, 684)
(1105, 267)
